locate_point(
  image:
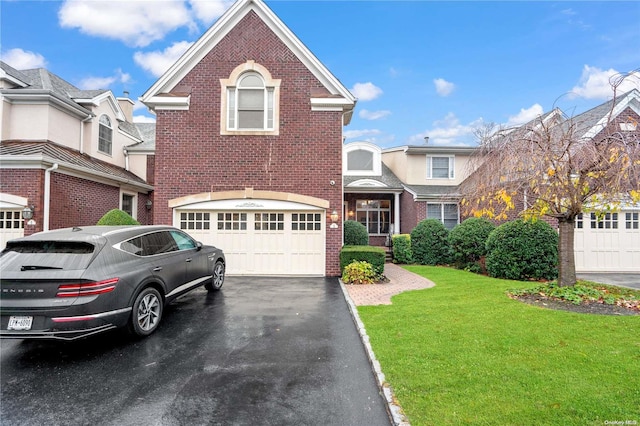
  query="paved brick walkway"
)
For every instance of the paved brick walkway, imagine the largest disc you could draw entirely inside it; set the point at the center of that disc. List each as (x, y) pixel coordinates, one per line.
(380, 294)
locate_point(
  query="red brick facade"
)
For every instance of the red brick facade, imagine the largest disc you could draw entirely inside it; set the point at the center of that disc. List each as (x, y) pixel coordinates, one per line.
(193, 157)
(73, 201)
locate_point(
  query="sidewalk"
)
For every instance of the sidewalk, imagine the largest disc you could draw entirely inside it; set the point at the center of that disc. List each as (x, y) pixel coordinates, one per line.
(400, 280)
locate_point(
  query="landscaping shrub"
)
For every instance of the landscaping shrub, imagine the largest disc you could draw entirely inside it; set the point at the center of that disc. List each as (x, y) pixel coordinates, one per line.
(468, 243)
(359, 272)
(521, 250)
(429, 243)
(355, 234)
(402, 249)
(117, 217)
(373, 255)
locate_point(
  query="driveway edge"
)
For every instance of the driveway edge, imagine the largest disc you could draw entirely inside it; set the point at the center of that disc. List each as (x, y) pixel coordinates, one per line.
(395, 411)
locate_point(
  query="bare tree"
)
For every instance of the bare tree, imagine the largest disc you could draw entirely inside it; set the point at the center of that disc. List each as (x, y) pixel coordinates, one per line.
(558, 167)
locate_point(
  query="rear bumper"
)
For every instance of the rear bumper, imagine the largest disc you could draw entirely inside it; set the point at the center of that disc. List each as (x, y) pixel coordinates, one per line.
(66, 327)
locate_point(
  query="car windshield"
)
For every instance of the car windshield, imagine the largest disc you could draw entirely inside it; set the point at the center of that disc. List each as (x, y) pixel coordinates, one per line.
(32, 255)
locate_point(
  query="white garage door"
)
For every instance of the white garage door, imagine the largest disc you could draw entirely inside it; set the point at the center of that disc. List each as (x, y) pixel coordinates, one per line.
(608, 244)
(11, 225)
(265, 238)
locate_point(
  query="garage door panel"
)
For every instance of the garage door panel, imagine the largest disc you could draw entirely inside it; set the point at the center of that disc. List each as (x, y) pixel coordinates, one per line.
(608, 244)
(266, 242)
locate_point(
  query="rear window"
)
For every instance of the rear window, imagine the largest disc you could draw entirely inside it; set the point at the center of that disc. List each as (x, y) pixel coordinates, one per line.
(28, 255)
(60, 247)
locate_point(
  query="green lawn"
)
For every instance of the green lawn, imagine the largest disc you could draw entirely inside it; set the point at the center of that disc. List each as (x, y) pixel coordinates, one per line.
(465, 353)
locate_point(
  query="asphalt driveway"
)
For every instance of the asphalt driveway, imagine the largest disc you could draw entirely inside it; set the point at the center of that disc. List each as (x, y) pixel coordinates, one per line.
(262, 351)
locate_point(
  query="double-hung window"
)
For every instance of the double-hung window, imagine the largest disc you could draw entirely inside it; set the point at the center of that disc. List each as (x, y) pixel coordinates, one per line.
(447, 213)
(440, 167)
(105, 135)
(250, 101)
(250, 104)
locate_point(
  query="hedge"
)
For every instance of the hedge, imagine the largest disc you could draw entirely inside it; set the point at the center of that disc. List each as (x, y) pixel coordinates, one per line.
(402, 249)
(355, 234)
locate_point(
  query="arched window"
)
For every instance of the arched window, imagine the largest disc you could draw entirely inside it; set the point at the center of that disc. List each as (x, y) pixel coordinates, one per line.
(251, 104)
(105, 135)
(250, 101)
(363, 159)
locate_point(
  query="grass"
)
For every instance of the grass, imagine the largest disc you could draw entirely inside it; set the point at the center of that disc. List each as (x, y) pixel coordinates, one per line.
(463, 352)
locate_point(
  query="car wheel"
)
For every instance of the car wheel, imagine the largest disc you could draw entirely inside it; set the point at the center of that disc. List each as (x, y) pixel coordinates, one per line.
(147, 312)
(218, 277)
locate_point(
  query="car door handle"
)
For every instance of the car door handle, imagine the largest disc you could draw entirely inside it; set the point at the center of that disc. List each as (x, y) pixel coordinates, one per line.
(157, 268)
(188, 260)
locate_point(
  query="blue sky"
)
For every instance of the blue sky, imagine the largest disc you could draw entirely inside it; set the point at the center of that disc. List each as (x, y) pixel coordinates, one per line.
(418, 68)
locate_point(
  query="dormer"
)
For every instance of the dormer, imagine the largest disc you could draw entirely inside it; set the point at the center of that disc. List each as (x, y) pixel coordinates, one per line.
(362, 159)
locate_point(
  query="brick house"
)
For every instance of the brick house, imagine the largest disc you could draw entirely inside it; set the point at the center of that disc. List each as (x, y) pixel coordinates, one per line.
(63, 154)
(248, 148)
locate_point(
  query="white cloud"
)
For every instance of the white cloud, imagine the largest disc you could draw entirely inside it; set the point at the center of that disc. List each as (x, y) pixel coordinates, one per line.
(157, 62)
(525, 115)
(136, 22)
(448, 131)
(23, 59)
(595, 83)
(366, 91)
(95, 83)
(373, 115)
(208, 11)
(443, 87)
(143, 119)
(357, 134)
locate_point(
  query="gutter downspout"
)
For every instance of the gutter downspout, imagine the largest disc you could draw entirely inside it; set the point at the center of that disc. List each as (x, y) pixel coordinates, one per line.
(126, 158)
(86, 120)
(47, 195)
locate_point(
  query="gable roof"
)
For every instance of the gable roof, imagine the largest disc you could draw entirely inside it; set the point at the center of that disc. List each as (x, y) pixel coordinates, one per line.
(340, 96)
(593, 121)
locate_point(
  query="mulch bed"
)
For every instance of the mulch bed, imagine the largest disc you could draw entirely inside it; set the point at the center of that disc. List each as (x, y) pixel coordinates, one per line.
(584, 308)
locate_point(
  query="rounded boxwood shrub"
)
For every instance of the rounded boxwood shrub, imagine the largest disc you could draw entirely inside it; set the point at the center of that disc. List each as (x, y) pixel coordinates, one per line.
(355, 234)
(117, 217)
(402, 249)
(359, 272)
(429, 243)
(468, 242)
(522, 250)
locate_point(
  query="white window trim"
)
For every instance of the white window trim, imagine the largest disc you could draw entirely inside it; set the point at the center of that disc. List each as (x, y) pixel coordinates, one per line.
(134, 206)
(452, 168)
(366, 146)
(232, 81)
(110, 126)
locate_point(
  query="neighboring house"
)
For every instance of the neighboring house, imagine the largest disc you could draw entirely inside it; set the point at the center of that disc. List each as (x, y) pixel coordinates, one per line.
(610, 243)
(63, 154)
(248, 148)
(390, 191)
(430, 176)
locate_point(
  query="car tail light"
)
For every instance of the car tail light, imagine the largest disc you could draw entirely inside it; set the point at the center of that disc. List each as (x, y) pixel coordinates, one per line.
(87, 289)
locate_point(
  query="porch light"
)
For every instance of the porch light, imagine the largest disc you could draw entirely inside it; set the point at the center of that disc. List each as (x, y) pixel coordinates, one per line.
(334, 219)
(27, 213)
(148, 204)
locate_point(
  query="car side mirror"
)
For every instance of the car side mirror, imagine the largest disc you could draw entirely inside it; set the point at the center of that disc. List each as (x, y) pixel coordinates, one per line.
(198, 245)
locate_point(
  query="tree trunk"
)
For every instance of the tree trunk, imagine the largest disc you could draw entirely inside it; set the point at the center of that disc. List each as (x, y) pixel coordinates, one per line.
(566, 255)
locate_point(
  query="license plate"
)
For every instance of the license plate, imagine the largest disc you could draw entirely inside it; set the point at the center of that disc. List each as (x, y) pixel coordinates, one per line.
(20, 323)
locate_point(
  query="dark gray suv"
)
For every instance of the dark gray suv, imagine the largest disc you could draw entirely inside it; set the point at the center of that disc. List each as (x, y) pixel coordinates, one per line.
(75, 282)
